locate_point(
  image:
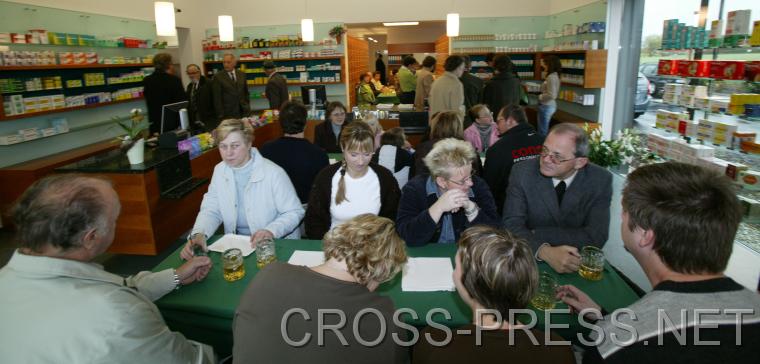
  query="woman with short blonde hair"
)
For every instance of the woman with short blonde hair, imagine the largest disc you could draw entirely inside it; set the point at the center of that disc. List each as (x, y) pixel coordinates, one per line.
(248, 194)
(438, 207)
(351, 187)
(360, 254)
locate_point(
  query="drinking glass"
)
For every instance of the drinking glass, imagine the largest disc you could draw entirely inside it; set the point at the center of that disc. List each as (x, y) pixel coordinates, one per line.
(546, 293)
(232, 264)
(265, 253)
(592, 263)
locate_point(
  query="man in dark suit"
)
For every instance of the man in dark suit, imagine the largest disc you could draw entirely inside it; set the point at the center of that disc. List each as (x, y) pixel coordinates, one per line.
(560, 202)
(161, 87)
(473, 90)
(230, 91)
(380, 67)
(277, 87)
(200, 107)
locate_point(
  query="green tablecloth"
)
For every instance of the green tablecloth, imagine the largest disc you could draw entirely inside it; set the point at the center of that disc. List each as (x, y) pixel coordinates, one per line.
(203, 311)
(387, 99)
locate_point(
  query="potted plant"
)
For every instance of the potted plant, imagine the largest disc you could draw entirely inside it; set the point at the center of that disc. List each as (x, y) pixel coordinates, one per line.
(337, 33)
(625, 149)
(133, 143)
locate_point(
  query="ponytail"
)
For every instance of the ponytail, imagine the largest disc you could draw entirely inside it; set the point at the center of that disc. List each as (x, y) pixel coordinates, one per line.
(340, 196)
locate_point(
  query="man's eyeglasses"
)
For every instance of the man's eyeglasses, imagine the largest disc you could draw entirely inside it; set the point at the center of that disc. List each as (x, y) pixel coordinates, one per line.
(464, 181)
(553, 157)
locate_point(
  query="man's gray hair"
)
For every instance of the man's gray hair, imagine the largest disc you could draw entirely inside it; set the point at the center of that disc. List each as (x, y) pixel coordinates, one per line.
(58, 211)
(581, 137)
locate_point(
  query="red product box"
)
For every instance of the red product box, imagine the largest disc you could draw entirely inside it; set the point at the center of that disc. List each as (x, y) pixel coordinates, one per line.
(667, 67)
(727, 70)
(682, 127)
(752, 71)
(694, 68)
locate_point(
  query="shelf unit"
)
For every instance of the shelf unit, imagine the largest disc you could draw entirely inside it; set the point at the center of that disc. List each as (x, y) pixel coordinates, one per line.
(594, 72)
(72, 108)
(67, 72)
(209, 68)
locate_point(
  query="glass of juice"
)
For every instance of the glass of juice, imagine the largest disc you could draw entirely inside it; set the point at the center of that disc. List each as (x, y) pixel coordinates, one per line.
(592, 263)
(265, 253)
(546, 293)
(232, 264)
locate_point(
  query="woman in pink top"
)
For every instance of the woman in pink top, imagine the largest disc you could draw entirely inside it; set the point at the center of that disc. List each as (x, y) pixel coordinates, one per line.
(483, 133)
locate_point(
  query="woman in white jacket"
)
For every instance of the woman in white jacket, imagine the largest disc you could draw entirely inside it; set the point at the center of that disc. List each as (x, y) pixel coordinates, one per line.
(248, 193)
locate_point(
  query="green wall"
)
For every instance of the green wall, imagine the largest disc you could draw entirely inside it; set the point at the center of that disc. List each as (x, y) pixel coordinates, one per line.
(16, 17)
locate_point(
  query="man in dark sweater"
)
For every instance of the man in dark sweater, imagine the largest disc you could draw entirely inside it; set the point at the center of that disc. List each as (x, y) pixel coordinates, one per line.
(473, 90)
(518, 141)
(162, 87)
(277, 87)
(679, 222)
(300, 159)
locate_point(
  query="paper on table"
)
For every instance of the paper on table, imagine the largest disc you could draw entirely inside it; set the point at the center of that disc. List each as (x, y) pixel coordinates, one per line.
(307, 258)
(427, 275)
(229, 241)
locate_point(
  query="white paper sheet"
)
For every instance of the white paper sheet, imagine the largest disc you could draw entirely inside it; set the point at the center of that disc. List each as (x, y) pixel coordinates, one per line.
(229, 241)
(307, 258)
(427, 275)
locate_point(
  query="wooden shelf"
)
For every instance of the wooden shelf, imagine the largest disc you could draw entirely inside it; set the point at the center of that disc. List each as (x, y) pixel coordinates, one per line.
(65, 109)
(279, 59)
(73, 66)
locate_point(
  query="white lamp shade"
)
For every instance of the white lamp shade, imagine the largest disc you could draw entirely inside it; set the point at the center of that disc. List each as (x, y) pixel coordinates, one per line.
(225, 28)
(452, 25)
(307, 30)
(165, 25)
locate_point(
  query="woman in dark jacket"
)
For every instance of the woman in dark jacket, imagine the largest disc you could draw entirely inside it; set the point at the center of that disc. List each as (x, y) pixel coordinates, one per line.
(327, 134)
(439, 207)
(504, 88)
(352, 187)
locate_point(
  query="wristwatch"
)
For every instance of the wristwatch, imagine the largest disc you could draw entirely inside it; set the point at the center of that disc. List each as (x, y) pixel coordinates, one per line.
(177, 283)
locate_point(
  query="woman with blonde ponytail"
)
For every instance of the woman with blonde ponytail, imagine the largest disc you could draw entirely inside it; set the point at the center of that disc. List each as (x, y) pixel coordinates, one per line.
(351, 187)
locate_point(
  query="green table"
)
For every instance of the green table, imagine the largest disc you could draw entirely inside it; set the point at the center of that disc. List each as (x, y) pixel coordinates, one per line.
(203, 311)
(387, 99)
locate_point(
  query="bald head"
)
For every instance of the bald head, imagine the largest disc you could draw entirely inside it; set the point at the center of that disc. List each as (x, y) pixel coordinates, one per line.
(229, 62)
(57, 212)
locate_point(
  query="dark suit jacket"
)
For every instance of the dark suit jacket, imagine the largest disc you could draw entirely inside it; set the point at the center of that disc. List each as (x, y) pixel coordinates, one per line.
(201, 104)
(531, 210)
(325, 139)
(473, 90)
(161, 88)
(503, 89)
(231, 99)
(276, 91)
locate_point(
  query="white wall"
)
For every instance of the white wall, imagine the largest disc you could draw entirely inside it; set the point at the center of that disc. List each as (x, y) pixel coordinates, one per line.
(558, 6)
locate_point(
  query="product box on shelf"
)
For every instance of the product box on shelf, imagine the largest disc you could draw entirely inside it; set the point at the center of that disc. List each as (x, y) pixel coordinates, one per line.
(751, 209)
(29, 133)
(693, 68)
(749, 180)
(739, 138)
(752, 71)
(716, 34)
(754, 40)
(10, 139)
(727, 70)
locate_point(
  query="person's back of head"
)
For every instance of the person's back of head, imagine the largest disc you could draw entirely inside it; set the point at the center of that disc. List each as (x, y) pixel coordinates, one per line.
(503, 64)
(429, 62)
(57, 212)
(453, 62)
(553, 64)
(393, 136)
(498, 269)
(162, 61)
(370, 247)
(692, 212)
(292, 117)
(408, 61)
(374, 124)
(447, 124)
